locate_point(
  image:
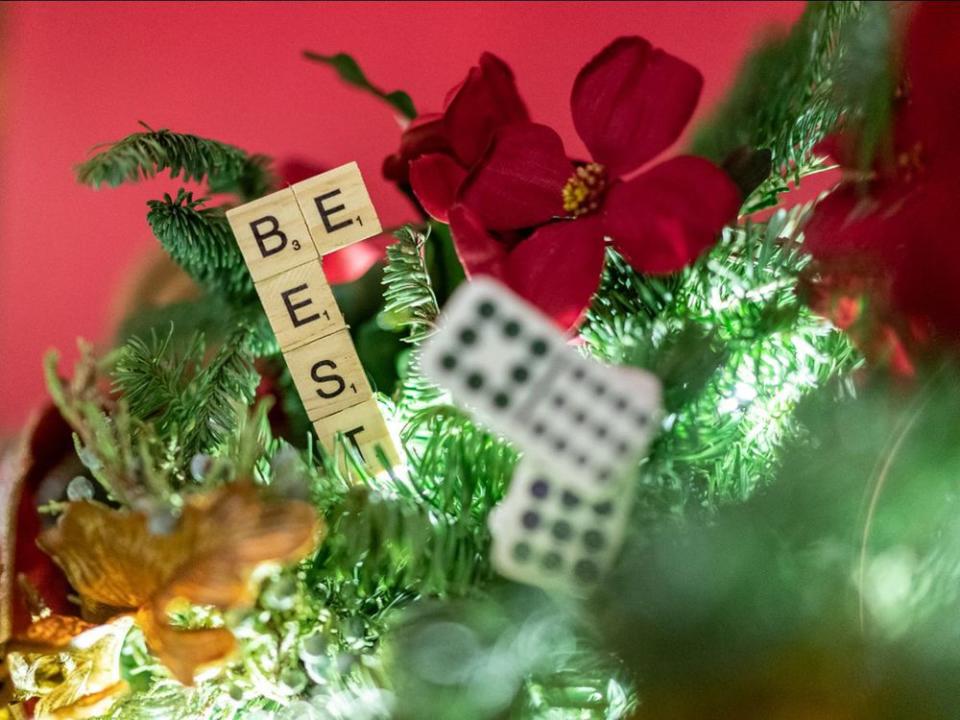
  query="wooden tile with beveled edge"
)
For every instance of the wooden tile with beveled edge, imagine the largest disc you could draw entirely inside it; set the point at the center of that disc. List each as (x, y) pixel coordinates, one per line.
(272, 235)
(363, 426)
(337, 208)
(328, 375)
(300, 305)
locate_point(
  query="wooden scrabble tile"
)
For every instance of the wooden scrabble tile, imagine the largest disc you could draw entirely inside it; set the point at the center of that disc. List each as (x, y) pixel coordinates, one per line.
(271, 234)
(337, 208)
(328, 375)
(300, 305)
(364, 427)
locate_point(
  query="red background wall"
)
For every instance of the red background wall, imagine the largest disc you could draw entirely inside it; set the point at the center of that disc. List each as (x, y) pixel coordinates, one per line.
(77, 74)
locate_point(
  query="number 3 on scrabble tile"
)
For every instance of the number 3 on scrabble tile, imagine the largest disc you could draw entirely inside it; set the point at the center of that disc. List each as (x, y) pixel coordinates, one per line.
(272, 235)
(337, 208)
(328, 375)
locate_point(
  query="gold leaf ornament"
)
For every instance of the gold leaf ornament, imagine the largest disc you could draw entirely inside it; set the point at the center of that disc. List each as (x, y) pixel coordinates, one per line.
(72, 666)
(111, 558)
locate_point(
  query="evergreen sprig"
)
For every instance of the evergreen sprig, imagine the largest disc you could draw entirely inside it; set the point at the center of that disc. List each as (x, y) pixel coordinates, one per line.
(784, 99)
(200, 241)
(411, 303)
(196, 406)
(145, 154)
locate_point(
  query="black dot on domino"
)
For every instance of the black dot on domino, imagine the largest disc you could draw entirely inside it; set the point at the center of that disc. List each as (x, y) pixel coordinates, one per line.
(539, 428)
(579, 373)
(642, 419)
(579, 417)
(586, 571)
(569, 499)
(604, 475)
(468, 336)
(622, 447)
(581, 460)
(522, 551)
(600, 431)
(593, 540)
(540, 488)
(538, 347)
(475, 381)
(559, 444)
(600, 389)
(501, 400)
(562, 530)
(603, 508)
(552, 561)
(621, 404)
(449, 362)
(486, 309)
(520, 374)
(559, 400)
(511, 328)
(530, 520)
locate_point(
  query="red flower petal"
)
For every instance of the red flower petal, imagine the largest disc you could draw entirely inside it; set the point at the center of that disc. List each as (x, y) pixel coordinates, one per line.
(435, 179)
(844, 224)
(487, 100)
(426, 134)
(632, 101)
(663, 219)
(558, 268)
(520, 181)
(479, 252)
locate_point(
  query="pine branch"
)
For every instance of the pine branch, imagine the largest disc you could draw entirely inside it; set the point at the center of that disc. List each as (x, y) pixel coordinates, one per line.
(122, 454)
(410, 302)
(200, 241)
(196, 407)
(209, 316)
(220, 394)
(408, 291)
(784, 99)
(735, 349)
(145, 154)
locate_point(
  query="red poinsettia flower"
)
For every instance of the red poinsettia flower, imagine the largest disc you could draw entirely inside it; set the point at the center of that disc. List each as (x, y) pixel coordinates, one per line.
(437, 150)
(629, 103)
(894, 226)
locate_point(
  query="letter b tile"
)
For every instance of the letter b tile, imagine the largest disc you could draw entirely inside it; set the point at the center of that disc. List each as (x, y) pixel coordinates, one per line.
(271, 234)
(337, 208)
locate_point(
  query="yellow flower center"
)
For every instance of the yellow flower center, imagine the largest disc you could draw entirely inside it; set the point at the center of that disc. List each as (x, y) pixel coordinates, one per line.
(584, 190)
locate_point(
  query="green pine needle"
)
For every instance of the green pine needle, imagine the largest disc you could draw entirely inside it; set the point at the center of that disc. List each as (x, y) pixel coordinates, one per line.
(784, 99)
(145, 154)
(200, 241)
(198, 407)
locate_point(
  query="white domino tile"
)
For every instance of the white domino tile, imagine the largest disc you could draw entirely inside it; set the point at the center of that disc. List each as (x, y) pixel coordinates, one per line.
(501, 358)
(549, 533)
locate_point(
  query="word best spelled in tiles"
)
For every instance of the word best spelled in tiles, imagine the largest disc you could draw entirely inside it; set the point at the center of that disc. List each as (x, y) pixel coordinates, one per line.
(282, 237)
